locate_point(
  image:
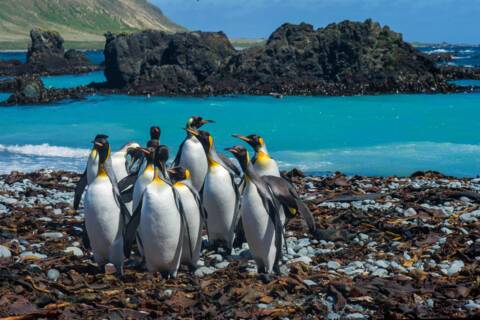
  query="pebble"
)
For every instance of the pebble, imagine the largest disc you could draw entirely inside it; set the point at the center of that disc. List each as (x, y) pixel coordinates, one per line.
(430, 303)
(333, 265)
(5, 252)
(57, 212)
(309, 283)
(168, 293)
(382, 264)
(380, 272)
(44, 219)
(202, 271)
(304, 259)
(410, 212)
(75, 251)
(471, 305)
(34, 255)
(52, 235)
(53, 274)
(217, 257)
(471, 216)
(110, 268)
(455, 267)
(222, 265)
(355, 316)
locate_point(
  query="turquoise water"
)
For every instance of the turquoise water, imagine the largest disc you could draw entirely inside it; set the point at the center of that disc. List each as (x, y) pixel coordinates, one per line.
(466, 83)
(95, 56)
(71, 81)
(373, 135)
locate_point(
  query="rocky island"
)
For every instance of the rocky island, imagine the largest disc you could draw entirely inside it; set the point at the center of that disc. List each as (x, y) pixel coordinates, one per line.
(341, 59)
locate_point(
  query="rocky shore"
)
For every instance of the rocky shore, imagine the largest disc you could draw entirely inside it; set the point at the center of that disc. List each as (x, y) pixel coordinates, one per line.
(387, 247)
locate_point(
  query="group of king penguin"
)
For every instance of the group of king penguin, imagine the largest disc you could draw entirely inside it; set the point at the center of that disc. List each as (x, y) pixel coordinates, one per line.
(134, 196)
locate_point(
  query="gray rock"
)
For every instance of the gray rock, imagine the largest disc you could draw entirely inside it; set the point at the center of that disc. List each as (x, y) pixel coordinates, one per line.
(309, 283)
(333, 265)
(303, 252)
(75, 251)
(304, 259)
(380, 272)
(52, 235)
(382, 264)
(472, 305)
(355, 316)
(410, 212)
(53, 274)
(455, 267)
(202, 271)
(471, 216)
(222, 265)
(5, 252)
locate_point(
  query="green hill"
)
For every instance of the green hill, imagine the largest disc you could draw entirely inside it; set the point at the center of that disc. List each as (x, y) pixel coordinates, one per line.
(80, 22)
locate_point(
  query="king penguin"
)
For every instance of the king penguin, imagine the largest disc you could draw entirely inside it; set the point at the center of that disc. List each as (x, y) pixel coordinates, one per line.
(262, 162)
(260, 212)
(145, 177)
(194, 214)
(190, 154)
(160, 222)
(220, 195)
(105, 214)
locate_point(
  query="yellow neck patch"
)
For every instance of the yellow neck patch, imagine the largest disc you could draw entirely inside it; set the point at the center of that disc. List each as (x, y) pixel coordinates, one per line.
(179, 184)
(212, 163)
(101, 171)
(263, 157)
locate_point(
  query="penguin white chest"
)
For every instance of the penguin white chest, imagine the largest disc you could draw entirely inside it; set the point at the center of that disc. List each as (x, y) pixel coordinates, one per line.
(194, 223)
(160, 228)
(142, 182)
(102, 218)
(194, 159)
(266, 167)
(119, 165)
(219, 199)
(259, 228)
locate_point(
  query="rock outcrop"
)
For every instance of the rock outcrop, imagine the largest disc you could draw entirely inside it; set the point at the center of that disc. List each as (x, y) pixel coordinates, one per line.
(344, 58)
(47, 56)
(31, 90)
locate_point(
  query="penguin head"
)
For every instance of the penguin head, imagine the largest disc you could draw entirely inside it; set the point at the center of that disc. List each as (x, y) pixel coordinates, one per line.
(154, 143)
(101, 145)
(178, 174)
(136, 156)
(149, 154)
(255, 141)
(196, 122)
(241, 154)
(161, 156)
(155, 133)
(204, 137)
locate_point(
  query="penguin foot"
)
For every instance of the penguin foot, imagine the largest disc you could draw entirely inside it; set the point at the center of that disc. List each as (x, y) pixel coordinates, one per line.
(192, 268)
(265, 278)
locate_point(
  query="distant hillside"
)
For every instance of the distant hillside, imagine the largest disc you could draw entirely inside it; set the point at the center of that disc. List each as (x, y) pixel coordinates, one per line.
(78, 20)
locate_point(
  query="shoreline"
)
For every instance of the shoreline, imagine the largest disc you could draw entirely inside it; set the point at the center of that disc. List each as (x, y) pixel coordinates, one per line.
(386, 246)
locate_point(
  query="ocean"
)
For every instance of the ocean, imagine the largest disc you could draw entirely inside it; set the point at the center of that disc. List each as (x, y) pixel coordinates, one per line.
(368, 135)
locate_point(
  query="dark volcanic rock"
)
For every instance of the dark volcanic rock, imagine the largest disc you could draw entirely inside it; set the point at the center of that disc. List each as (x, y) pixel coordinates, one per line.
(344, 58)
(47, 56)
(175, 62)
(30, 90)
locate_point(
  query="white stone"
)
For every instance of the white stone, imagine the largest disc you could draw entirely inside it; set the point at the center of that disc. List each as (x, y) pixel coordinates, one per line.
(75, 251)
(5, 252)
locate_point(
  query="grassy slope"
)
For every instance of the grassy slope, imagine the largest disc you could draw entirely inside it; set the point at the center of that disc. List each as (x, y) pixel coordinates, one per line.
(78, 21)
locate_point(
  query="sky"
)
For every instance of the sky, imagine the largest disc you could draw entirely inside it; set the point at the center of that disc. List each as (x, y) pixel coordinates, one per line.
(453, 21)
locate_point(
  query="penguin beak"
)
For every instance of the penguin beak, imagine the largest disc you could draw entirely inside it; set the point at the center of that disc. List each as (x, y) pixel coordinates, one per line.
(98, 144)
(239, 136)
(145, 151)
(232, 150)
(204, 121)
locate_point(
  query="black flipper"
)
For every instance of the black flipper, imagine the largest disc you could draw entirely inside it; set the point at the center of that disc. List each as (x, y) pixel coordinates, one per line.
(176, 161)
(181, 210)
(127, 195)
(80, 188)
(130, 231)
(124, 212)
(127, 182)
(236, 214)
(198, 200)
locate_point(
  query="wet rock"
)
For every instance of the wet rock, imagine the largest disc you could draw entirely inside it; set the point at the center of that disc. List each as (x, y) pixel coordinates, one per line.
(52, 235)
(203, 271)
(333, 265)
(53, 274)
(4, 252)
(410, 212)
(75, 251)
(455, 267)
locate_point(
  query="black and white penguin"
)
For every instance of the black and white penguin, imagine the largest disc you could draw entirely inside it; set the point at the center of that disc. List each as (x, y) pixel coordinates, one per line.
(260, 212)
(194, 214)
(105, 213)
(159, 219)
(220, 195)
(190, 154)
